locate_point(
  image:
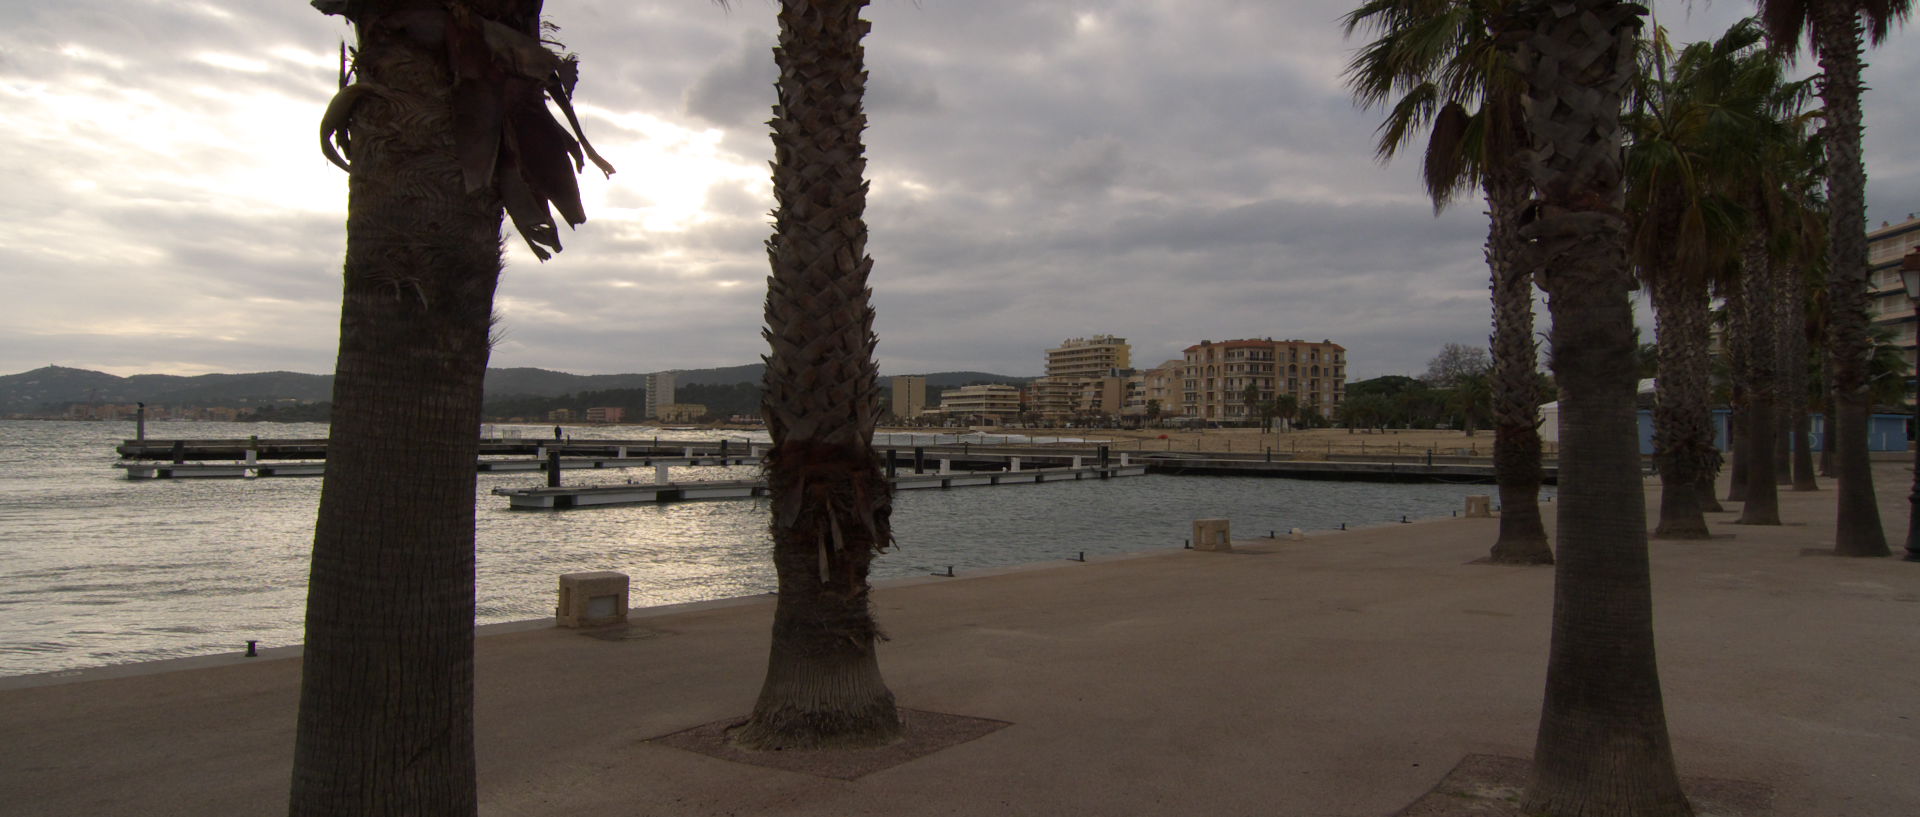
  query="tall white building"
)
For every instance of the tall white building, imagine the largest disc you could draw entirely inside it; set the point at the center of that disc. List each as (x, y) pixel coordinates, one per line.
(659, 393)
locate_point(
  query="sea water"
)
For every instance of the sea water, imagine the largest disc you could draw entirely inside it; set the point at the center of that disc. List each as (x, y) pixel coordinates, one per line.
(97, 569)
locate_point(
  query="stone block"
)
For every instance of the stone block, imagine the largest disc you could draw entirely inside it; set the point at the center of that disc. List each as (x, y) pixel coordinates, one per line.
(594, 598)
(1479, 506)
(1212, 534)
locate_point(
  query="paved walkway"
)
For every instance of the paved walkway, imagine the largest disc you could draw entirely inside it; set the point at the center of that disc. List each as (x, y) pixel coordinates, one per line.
(1340, 675)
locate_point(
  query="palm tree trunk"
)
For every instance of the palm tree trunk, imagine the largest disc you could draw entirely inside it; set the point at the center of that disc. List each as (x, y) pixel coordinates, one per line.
(1516, 400)
(1783, 325)
(1857, 529)
(1762, 505)
(830, 497)
(1603, 747)
(1740, 417)
(1682, 422)
(1795, 391)
(392, 589)
(1827, 412)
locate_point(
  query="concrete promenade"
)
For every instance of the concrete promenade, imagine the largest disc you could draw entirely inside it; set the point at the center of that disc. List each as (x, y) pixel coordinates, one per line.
(1340, 675)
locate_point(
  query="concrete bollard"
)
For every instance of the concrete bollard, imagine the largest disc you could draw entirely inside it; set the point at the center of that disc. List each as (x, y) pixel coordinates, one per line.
(1212, 534)
(1013, 463)
(1479, 506)
(594, 598)
(946, 466)
(660, 475)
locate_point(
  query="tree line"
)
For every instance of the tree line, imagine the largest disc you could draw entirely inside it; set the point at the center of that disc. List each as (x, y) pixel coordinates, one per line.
(1608, 161)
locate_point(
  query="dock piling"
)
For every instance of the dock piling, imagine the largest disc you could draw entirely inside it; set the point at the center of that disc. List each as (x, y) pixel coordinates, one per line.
(253, 648)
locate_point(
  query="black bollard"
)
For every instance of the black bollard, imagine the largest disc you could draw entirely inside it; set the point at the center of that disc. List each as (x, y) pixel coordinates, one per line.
(253, 650)
(179, 451)
(723, 452)
(553, 467)
(919, 460)
(893, 466)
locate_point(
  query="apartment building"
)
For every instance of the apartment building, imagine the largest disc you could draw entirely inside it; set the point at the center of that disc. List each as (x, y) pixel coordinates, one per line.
(1071, 367)
(606, 414)
(1164, 386)
(1887, 303)
(1217, 375)
(990, 403)
(659, 394)
(909, 395)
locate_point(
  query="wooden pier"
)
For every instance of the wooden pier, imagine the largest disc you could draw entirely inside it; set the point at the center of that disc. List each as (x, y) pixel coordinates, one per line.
(163, 459)
(582, 496)
(184, 450)
(245, 469)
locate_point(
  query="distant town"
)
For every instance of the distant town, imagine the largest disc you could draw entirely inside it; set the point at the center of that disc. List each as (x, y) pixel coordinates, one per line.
(1089, 381)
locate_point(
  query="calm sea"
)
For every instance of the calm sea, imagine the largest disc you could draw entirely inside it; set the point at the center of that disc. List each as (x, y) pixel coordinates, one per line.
(96, 569)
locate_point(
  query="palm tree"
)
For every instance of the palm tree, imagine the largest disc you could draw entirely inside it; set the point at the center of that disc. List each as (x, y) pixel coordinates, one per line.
(830, 498)
(437, 148)
(1681, 228)
(1602, 748)
(1286, 407)
(1699, 125)
(1441, 59)
(1471, 395)
(1835, 29)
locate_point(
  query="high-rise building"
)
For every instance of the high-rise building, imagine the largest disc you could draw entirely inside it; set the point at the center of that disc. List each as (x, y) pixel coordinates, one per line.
(909, 395)
(659, 393)
(1218, 375)
(1887, 302)
(1071, 367)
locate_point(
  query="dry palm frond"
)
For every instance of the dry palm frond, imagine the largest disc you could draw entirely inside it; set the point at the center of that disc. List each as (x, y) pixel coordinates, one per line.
(503, 133)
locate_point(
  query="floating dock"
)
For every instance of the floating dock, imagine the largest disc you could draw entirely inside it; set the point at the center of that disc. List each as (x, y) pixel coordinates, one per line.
(581, 496)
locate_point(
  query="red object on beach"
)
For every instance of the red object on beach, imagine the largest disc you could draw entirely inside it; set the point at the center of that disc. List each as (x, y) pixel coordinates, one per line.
(1163, 436)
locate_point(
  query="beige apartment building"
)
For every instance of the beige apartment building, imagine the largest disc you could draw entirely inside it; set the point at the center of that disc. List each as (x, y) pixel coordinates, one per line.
(1887, 303)
(909, 395)
(990, 403)
(1073, 368)
(1164, 385)
(1218, 374)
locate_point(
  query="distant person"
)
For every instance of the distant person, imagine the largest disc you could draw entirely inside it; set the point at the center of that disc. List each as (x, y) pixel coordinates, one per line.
(557, 435)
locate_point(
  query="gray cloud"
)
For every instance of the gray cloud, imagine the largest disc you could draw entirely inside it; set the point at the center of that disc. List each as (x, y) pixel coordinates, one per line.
(1164, 170)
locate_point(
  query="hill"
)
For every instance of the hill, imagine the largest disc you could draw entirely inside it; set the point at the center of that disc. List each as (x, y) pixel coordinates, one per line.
(50, 389)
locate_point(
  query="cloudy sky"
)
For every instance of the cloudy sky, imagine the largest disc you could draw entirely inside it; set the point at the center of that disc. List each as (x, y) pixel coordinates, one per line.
(1163, 170)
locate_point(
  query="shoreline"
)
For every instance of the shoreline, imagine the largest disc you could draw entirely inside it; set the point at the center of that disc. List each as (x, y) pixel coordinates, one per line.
(134, 669)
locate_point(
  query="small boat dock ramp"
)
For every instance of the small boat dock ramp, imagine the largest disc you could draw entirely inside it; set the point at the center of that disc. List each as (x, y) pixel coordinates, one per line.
(560, 497)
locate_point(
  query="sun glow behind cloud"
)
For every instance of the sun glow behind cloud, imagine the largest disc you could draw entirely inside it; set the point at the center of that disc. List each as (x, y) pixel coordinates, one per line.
(665, 171)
